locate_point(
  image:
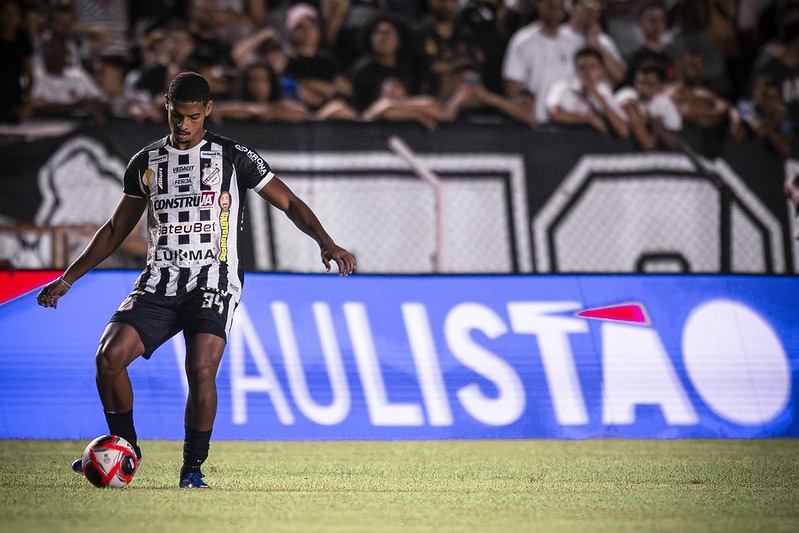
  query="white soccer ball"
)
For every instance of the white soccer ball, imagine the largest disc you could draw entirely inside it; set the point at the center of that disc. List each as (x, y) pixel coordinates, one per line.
(109, 461)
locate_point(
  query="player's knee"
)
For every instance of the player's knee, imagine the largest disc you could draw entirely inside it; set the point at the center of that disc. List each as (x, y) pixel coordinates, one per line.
(110, 360)
(201, 373)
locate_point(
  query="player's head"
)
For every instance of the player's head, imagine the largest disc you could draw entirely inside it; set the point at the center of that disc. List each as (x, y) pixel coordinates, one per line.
(188, 102)
(189, 87)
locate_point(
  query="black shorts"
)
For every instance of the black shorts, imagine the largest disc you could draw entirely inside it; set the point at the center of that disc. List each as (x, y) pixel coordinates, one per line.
(158, 318)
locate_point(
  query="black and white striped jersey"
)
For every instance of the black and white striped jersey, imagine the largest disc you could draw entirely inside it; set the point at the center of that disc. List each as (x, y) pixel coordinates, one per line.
(195, 207)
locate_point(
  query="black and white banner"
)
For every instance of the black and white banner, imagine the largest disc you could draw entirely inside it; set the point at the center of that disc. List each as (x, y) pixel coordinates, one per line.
(509, 199)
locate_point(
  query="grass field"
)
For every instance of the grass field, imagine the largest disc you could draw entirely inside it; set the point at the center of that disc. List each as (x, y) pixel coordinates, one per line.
(595, 485)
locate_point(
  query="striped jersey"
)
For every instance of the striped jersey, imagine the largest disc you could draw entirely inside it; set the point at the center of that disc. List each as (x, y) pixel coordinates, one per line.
(195, 207)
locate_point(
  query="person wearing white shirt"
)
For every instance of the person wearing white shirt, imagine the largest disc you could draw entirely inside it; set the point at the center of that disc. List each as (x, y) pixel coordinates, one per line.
(63, 90)
(538, 55)
(588, 99)
(655, 121)
(584, 26)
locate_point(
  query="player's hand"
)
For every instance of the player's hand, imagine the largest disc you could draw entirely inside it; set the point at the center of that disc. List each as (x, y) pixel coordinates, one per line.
(50, 293)
(343, 259)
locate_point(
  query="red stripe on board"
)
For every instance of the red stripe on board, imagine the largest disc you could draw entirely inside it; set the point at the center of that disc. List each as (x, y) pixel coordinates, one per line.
(21, 282)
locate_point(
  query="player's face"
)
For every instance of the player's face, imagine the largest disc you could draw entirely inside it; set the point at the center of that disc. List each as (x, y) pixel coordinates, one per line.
(187, 122)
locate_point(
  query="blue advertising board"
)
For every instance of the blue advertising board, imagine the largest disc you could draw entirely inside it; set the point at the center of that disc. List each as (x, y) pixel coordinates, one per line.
(318, 357)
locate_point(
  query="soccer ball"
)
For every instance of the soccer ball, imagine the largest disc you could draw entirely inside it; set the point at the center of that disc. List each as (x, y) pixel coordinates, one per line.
(109, 461)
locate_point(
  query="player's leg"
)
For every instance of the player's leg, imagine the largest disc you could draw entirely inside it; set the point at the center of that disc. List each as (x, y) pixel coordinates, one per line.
(207, 315)
(140, 325)
(203, 355)
(119, 346)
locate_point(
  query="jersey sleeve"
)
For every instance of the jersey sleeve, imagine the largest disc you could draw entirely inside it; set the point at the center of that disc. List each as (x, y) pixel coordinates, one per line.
(136, 174)
(253, 169)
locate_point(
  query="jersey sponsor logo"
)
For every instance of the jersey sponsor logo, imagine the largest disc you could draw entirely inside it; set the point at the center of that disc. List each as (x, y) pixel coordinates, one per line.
(211, 154)
(260, 164)
(186, 228)
(182, 168)
(211, 175)
(156, 159)
(181, 181)
(182, 257)
(205, 200)
(147, 178)
(224, 224)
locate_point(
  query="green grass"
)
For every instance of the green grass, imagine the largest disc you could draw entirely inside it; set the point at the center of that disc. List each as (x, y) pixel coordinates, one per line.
(595, 485)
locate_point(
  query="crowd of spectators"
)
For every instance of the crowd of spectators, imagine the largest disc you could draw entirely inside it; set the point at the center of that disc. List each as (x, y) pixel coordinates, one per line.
(628, 68)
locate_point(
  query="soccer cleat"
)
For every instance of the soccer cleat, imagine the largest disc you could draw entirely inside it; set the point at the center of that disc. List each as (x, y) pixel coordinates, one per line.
(77, 464)
(193, 480)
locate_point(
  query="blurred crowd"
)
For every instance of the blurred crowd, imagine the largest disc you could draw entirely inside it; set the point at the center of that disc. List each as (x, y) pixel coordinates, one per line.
(639, 69)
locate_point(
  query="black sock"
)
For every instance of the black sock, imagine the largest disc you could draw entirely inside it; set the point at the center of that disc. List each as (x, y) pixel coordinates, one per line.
(121, 425)
(195, 450)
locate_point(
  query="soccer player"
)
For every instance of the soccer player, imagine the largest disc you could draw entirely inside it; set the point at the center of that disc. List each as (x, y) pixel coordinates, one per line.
(192, 183)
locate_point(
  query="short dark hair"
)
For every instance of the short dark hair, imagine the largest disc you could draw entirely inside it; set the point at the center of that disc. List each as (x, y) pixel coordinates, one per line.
(652, 5)
(589, 51)
(189, 87)
(400, 24)
(653, 67)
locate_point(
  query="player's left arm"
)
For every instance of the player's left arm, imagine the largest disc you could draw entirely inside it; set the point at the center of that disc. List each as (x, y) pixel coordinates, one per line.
(279, 195)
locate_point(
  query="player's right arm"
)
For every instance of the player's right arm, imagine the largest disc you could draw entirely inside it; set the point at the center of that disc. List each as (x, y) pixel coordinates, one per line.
(107, 239)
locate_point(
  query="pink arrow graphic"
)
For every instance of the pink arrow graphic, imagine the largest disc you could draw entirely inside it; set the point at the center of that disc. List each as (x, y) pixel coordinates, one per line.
(633, 312)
